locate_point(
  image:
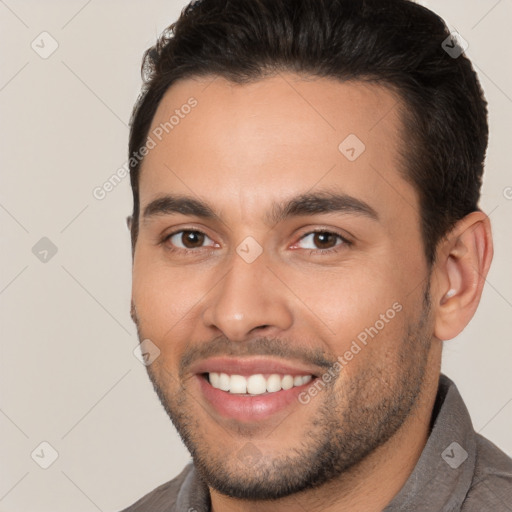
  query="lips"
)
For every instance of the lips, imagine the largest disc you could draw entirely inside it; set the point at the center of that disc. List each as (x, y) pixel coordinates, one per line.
(254, 389)
(252, 366)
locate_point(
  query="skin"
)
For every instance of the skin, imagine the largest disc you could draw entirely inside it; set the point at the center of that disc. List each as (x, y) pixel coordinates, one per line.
(242, 148)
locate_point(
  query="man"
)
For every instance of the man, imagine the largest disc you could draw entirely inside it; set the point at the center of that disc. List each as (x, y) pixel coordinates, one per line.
(306, 234)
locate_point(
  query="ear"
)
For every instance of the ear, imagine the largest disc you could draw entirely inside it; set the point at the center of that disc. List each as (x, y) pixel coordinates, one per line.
(129, 222)
(462, 262)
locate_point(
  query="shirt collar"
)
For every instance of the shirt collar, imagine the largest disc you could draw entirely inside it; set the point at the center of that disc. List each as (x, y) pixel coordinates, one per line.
(443, 474)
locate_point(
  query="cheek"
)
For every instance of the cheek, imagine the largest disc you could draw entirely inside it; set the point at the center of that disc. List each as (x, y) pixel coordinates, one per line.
(347, 299)
(365, 308)
(162, 296)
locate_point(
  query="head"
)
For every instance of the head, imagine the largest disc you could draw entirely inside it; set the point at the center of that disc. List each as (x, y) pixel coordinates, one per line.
(323, 160)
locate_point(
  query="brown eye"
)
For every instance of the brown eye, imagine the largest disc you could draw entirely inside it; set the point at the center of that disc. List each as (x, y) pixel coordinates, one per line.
(318, 240)
(188, 239)
(324, 240)
(192, 239)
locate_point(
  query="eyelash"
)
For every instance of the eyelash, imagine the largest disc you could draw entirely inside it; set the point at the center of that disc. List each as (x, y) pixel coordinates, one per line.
(332, 250)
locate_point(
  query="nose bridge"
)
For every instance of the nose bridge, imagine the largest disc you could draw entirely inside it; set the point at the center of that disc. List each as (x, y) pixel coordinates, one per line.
(246, 298)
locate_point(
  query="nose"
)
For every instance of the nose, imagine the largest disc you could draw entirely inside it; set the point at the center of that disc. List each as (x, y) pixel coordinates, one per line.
(247, 299)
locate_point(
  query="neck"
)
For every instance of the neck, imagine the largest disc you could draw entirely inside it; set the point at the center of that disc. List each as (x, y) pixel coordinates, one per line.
(373, 483)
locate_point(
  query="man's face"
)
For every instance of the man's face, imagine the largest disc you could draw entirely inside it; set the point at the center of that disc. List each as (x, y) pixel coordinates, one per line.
(253, 292)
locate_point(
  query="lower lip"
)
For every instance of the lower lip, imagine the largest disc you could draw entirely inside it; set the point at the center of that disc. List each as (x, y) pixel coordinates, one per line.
(249, 408)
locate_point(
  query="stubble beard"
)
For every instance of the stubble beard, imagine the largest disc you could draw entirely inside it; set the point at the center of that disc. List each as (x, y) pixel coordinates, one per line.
(348, 425)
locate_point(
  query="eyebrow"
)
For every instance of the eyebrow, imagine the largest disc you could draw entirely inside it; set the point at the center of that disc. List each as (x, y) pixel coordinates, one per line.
(302, 205)
(320, 202)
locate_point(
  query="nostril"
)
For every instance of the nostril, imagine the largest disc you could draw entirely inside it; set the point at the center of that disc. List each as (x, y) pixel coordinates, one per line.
(259, 327)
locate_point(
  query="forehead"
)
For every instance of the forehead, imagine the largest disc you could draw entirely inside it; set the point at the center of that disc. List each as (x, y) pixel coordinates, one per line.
(280, 135)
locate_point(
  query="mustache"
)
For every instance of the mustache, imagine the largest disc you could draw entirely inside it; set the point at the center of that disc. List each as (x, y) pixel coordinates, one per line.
(260, 346)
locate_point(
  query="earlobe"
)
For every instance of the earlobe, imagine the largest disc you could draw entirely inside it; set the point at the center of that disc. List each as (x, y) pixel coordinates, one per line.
(464, 260)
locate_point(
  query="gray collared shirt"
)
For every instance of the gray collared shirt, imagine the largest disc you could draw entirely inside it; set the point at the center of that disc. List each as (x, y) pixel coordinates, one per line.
(458, 471)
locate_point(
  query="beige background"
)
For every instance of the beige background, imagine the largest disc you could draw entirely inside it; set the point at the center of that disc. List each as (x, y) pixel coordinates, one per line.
(68, 375)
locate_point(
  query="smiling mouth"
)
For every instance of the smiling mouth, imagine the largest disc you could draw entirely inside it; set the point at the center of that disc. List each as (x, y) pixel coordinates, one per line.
(255, 384)
(250, 390)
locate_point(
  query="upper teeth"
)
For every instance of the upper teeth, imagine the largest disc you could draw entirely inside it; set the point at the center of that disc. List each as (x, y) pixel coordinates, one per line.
(256, 384)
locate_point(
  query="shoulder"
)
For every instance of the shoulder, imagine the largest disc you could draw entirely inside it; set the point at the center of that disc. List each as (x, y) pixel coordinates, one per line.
(491, 488)
(163, 498)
